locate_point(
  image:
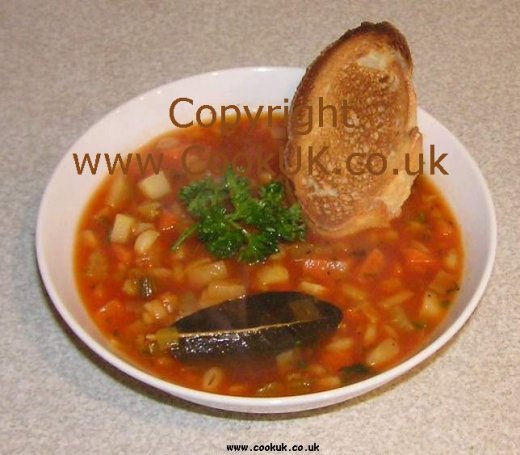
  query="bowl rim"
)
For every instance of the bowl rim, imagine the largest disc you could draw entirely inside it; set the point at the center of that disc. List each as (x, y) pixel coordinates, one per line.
(264, 404)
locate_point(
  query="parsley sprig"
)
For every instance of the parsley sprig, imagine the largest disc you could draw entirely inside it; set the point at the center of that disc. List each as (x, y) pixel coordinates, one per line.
(232, 221)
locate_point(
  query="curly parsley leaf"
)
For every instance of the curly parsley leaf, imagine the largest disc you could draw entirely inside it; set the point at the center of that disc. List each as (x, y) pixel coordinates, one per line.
(233, 221)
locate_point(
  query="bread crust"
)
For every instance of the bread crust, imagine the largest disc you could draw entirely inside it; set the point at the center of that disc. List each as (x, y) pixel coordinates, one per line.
(370, 69)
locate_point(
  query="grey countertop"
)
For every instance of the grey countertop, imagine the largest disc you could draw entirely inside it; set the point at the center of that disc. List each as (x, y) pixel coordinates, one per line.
(64, 64)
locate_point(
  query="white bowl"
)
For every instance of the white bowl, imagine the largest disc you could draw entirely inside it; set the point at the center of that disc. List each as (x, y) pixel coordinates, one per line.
(146, 116)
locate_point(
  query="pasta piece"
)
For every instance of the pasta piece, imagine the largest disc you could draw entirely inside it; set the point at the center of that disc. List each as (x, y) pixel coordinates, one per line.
(353, 292)
(370, 335)
(213, 379)
(144, 241)
(396, 299)
(431, 307)
(154, 311)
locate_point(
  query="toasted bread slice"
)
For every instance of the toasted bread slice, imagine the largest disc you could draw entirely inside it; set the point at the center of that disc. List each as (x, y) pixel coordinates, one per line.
(367, 76)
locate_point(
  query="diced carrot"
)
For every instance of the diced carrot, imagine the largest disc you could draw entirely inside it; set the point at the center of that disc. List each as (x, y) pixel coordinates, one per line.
(373, 263)
(114, 315)
(123, 253)
(336, 360)
(167, 221)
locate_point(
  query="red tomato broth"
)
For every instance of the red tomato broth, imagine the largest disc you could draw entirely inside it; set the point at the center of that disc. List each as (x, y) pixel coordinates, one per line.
(358, 273)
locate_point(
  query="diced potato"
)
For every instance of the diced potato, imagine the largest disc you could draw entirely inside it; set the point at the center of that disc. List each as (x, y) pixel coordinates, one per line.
(400, 319)
(451, 260)
(220, 291)
(272, 274)
(202, 274)
(122, 229)
(288, 360)
(340, 344)
(119, 192)
(396, 299)
(155, 186)
(383, 353)
(144, 241)
(329, 382)
(312, 288)
(353, 292)
(443, 282)
(431, 307)
(370, 335)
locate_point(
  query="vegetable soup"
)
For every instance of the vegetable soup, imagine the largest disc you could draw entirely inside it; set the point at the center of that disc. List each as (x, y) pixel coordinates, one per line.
(154, 247)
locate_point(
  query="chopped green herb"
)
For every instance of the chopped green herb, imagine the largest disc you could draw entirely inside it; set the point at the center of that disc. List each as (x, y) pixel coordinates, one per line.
(354, 373)
(422, 217)
(420, 325)
(234, 222)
